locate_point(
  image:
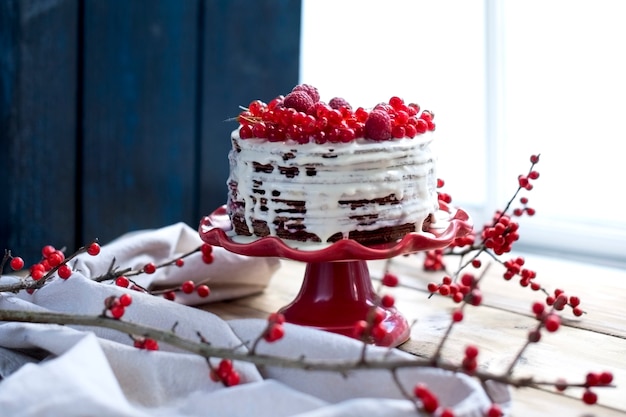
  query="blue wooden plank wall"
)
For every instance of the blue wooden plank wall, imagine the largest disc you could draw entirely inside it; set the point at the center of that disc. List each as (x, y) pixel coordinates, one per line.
(112, 112)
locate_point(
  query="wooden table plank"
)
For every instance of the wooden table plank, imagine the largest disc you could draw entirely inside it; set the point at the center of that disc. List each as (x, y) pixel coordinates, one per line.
(499, 328)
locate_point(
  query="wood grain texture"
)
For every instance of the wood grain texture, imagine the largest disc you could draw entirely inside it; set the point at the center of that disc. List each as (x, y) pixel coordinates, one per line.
(251, 53)
(595, 342)
(112, 112)
(37, 124)
(138, 131)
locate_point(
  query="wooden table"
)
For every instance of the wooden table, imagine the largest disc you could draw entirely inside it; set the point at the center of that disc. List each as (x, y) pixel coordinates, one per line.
(594, 342)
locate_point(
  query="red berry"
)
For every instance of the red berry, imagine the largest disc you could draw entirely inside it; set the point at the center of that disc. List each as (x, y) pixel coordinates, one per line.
(232, 379)
(534, 159)
(469, 364)
(310, 90)
(538, 308)
(47, 250)
(378, 125)
(560, 385)
(606, 378)
(206, 249)
(457, 316)
(208, 259)
(359, 329)
(17, 263)
(446, 412)
(398, 132)
(126, 300)
(390, 280)
(64, 271)
(187, 287)
(274, 332)
(471, 351)
(259, 130)
(180, 262)
(338, 103)
(444, 289)
(552, 323)
(387, 301)
(37, 274)
(476, 263)
(245, 132)
(149, 268)
(93, 249)
(494, 411)
(122, 281)
(421, 391)
(117, 311)
(203, 291)
(276, 318)
(590, 397)
(298, 100)
(55, 258)
(151, 344)
(574, 301)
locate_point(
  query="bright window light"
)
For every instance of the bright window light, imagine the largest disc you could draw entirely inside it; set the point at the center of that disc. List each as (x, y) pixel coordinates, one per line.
(506, 80)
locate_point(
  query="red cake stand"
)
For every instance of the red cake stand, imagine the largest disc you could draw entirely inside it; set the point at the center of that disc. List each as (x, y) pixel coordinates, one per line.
(337, 290)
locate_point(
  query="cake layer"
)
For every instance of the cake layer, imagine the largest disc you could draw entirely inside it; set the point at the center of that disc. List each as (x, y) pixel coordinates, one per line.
(370, 191)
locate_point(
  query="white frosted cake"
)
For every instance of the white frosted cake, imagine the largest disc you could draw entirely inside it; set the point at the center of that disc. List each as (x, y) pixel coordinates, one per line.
(306, 171)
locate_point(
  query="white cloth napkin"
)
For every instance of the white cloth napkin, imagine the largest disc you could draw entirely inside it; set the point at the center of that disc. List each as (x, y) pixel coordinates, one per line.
(97, 372)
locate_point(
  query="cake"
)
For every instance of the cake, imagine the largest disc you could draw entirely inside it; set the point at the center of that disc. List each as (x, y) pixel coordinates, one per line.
(309, 171)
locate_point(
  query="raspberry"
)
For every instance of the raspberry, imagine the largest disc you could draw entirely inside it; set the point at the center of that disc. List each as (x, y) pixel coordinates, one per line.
(310, 90)
(298, 100)
(378, 125)
(338, 102)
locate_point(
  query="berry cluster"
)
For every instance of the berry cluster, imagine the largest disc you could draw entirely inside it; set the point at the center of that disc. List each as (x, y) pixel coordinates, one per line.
(300, 116)
(470, 359)
(463, 290)
(146, 343)
(275, 329)
(372, 328)
(559, 300)
(53, 260)
(429, 402)
(225, 373)
(501, 234)
(115, 307)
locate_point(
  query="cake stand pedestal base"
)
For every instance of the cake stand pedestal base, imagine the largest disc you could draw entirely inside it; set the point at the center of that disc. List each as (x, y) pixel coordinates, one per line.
(334, 296)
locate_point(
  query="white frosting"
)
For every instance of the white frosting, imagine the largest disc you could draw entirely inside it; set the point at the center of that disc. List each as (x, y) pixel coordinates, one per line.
(358, 170)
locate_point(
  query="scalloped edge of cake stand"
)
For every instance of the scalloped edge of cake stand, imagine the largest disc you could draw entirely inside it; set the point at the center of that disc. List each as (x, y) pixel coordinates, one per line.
(216, 230)
(337, 286)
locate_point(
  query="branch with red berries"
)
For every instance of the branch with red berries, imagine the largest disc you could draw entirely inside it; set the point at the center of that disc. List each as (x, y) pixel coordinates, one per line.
(462, 286)
(55, 265)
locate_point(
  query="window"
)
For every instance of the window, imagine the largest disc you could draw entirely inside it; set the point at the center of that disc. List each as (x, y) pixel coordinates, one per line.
(505, 80)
